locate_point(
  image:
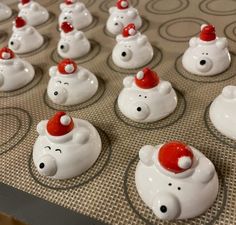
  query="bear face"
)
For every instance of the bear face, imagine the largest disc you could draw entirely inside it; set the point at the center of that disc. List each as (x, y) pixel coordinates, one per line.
(69, 155)
(132, 52)
(33, 13)
(25, 39)
(73, 45)
(71, 89)
(146, 105)
(223, 111)
(206, 55)
(170, 195)
(76, 14)
(14, 74)
(5, 12)
(119, 18)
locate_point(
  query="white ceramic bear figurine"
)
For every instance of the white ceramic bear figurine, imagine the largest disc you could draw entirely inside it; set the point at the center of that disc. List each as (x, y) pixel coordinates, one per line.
(71, 84)
(207, 55)
(66, 147)
(33, 12)
(14, 72)
(223, 111)
(75, 13)
(133, 50)
(5, 12)
(175, 180)
(146, 98)
(73, 43)
(25, 38)
(122, 15)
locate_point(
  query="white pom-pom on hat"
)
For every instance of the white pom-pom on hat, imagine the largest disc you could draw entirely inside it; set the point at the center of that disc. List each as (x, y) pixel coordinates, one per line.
(140, 75)
(65, 120)
(184, 162)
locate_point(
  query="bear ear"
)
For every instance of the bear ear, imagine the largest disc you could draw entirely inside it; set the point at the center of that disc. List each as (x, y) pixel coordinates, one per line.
(146, 154)
(82, 75)
(1, 80)
(111, 10)
(229, 92)
(53, 71)
(79, 7)
(29, 30)
(62, 6)
(222, 43)
(81, 136)
(128, 81)
(79, 35)
(41, 127)
(20, 6)
(193, 42)
(34, 6)
(165, 87)
(119, 37)
(142, 40)
(132, 13)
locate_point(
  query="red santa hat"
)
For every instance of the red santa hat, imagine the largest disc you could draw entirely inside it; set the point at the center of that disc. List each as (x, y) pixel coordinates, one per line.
(70, 2)
(67, 27)
(146, 79)
(6, 53)
(19, 22)
(67, 66)
(207, 32)
(129, 30)
(60, 124)
(175, 157)
(23, 2)
(122, 4)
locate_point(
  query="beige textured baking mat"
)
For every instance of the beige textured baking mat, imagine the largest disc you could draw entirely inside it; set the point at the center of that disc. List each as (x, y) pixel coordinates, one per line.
(107, 191)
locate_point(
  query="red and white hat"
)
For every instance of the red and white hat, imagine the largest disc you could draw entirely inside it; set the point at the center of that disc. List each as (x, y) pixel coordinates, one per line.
(146, 79)
(19, 22)
(6, 53)
(60, 124)
(207, 32)
(175, 157)
(122, 4)
(70, 2)
(129, 30)
(67, 27)
(67, 66)
(23, 2)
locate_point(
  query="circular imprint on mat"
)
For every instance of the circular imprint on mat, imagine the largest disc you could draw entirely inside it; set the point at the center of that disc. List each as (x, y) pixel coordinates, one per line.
(163, 7)
(14, 13)
(89, 27)
(95, 50)
(181, 29)
(230, 31)
(229, 73)
(51, 18)
(147, 215)
(143, 28)
(84, 178)
(165, 122)
(92, 100)
(105, 5)
(36, 51)
(218, 7)
(15, 124)
(88, 3)
(157, 57)
(37, 78)
(3, 36)
(215, 132)
(46, 3)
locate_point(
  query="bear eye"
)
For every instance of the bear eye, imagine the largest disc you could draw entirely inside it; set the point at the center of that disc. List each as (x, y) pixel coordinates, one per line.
(122, 17)
(206, 53)
(48, 147)
(139, 95)
(59, 81)
(203, 53)
(58, 150)
(145, 96)
(66, 83)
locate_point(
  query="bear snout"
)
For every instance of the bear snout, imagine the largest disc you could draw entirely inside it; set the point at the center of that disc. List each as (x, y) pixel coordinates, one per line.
(47, 165)
(204, 64)
(140, 111)
(59, 95)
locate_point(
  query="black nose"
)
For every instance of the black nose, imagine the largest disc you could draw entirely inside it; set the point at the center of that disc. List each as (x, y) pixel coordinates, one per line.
(12, 43)
(123, 54)
(41, 165)
(55, 93)
(202, 62)
(139, 109)
(65, 18)
(163, 209)
(116, 24)
(62, 47)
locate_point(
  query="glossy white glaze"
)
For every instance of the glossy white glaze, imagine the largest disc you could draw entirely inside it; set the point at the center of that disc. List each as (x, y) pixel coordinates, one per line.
(5, 12)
